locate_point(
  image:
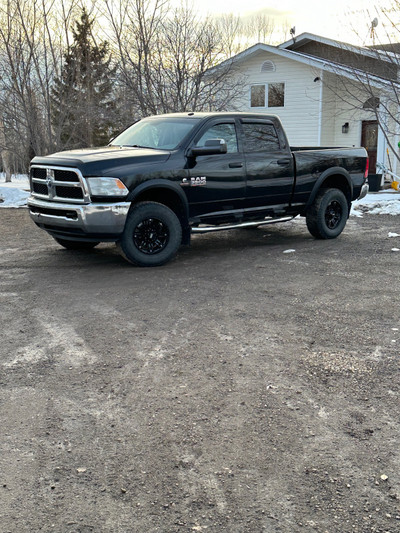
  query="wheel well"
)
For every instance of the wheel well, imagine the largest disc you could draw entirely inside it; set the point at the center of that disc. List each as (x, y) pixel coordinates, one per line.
(171, 200)
(337, 181)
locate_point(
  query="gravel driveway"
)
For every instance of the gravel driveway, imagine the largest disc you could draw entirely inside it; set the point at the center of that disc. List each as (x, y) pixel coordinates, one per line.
(238, 389)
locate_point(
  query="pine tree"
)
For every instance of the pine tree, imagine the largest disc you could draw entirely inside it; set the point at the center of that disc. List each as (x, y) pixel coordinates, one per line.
(82, 107)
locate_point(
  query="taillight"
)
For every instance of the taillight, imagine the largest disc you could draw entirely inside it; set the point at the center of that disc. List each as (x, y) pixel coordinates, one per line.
(366, 169)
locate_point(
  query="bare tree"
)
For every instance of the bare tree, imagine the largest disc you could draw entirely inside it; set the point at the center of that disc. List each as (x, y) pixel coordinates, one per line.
(366, 81)
(4, 152)
(260, 27)
(164, 60)
(165, 57)
(376, 97)
(32, 34)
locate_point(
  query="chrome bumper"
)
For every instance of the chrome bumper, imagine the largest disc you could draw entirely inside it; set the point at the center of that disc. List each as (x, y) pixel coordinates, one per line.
(93, 219)
(364, 191)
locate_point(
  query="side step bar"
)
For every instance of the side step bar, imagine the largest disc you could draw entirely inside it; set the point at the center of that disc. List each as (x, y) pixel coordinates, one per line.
(208, 229)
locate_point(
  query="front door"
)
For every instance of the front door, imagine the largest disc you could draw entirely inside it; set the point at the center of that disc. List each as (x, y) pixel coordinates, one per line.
(217, 182)
(369, 140)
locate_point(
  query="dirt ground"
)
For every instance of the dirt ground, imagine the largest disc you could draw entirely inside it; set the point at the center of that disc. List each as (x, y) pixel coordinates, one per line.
(237, 389)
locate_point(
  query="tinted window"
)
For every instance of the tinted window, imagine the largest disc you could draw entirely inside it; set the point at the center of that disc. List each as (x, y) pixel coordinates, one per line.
(260, 138)
(164, 133)
(227, 132)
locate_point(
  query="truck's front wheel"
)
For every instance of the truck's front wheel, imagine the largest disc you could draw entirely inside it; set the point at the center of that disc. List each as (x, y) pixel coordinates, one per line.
(152, 235)
(327, 216)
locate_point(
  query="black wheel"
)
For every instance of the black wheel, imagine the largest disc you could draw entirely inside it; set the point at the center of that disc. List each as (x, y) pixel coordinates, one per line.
(327, 216)
(76, 245)
(152, 235)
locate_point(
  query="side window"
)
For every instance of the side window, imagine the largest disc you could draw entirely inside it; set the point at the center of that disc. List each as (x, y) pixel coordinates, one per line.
(221, 131)
(260, 138)
(276, 95)
(268, 95)
(257, 96)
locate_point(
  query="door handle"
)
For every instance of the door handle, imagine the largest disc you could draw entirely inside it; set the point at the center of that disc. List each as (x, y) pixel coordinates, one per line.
(284, 162)
(235, 165)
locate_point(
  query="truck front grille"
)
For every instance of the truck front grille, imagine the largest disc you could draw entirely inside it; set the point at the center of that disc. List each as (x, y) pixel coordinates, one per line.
(58, 184)
(68, 192)
(40, 188)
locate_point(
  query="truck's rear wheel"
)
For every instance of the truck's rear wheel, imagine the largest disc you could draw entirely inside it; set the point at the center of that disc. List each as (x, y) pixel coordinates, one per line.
(152, 235)
(76, 245)
(327, 216)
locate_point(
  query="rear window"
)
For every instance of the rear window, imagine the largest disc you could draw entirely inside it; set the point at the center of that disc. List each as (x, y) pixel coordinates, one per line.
(260, 137)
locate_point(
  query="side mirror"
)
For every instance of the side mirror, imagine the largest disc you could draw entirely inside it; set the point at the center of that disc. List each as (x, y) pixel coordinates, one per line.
(211, 147)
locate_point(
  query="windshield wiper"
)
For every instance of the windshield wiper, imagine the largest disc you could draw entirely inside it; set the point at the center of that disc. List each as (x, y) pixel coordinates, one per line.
(140, 146)
(132, 146)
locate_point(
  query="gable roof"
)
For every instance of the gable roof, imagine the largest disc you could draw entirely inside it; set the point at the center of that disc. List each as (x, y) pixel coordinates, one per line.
(312, 61)
(305, 38)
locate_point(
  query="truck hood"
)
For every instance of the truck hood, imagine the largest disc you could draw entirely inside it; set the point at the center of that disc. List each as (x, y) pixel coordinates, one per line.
(103, 161)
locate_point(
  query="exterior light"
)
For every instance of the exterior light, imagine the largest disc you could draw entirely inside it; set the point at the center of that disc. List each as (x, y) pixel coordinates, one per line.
(345, 127)
(102, 186)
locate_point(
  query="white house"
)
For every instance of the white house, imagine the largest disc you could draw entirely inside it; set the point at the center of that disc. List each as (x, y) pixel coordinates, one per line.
(326, 93)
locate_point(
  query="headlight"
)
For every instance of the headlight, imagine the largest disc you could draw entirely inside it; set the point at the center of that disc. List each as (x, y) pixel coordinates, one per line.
(106, 187)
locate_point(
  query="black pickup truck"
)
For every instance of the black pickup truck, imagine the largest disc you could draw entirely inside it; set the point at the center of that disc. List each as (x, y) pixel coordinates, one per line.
(169, 176)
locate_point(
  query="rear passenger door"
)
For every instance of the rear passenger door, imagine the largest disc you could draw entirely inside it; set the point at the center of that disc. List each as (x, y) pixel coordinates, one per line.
(269, 164)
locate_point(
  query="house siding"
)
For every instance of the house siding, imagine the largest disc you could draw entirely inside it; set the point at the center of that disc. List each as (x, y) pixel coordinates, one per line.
(315, 111)
(328, 113)
(300, 114)
(338, 108)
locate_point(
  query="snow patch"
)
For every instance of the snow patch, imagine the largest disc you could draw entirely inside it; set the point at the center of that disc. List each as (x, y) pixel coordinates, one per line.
(15, 193)
(12, 197)
(380, 203)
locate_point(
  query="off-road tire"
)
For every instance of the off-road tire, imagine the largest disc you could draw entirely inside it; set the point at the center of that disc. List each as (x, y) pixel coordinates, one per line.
(76, 245)
(328, 214)
(152, 235)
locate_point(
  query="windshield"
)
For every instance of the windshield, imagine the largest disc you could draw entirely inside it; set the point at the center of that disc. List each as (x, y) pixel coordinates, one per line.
(163, 133)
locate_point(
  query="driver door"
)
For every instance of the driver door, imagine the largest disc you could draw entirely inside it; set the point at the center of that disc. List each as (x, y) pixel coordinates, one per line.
(217, 182)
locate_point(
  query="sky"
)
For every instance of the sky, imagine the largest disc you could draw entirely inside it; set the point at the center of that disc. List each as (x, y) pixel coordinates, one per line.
(345, 20)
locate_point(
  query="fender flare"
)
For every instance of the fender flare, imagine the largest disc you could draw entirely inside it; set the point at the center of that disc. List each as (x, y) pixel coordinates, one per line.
(160, 184)
(333, 171)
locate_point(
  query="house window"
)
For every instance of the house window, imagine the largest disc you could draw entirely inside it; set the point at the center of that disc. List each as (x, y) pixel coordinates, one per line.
(276, 95)
(372, 103)
(270, 95)
(257, 96)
